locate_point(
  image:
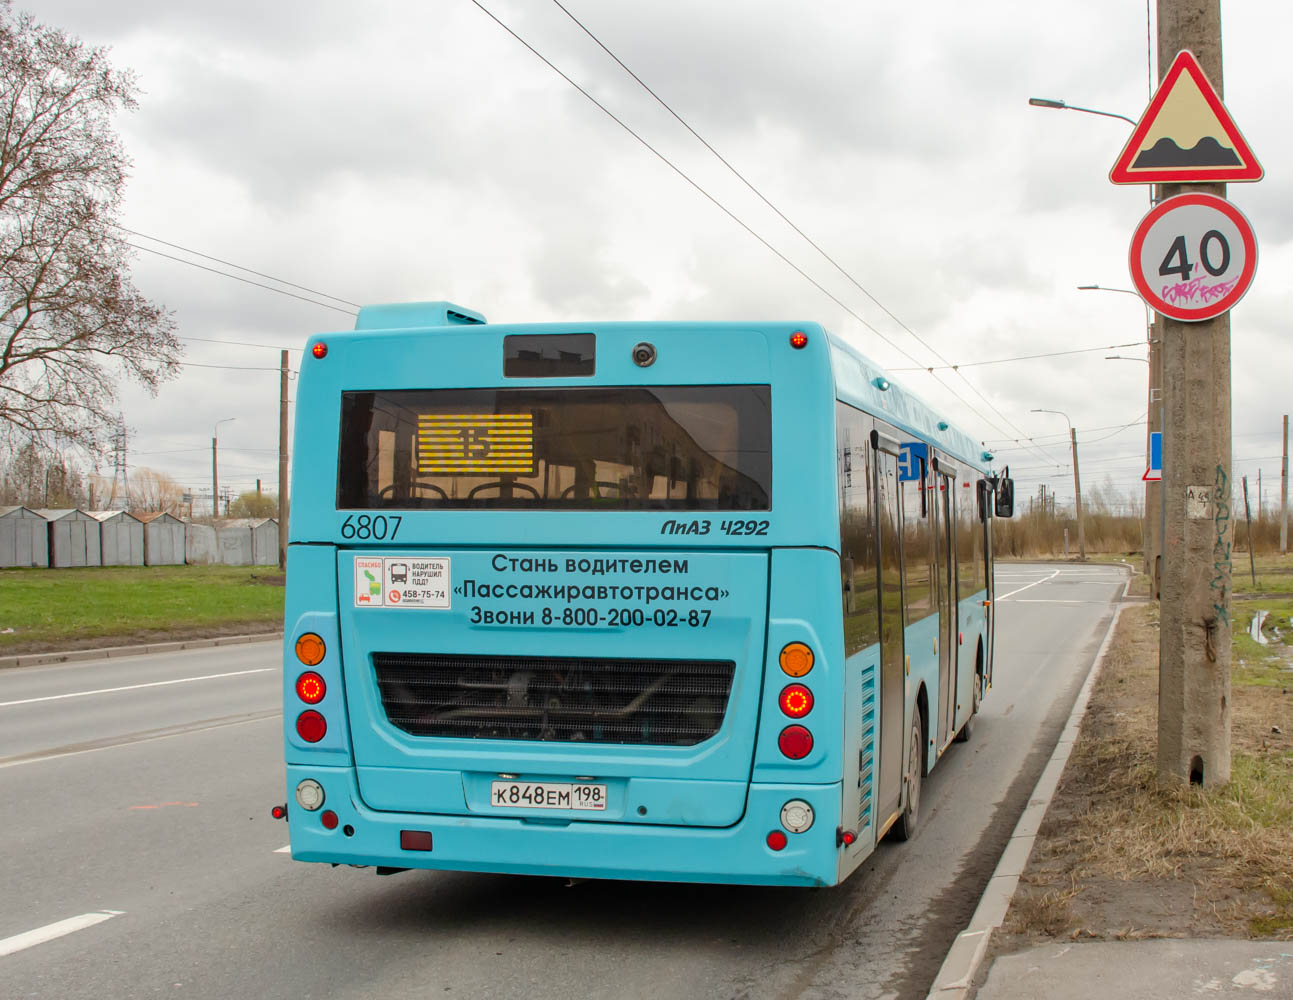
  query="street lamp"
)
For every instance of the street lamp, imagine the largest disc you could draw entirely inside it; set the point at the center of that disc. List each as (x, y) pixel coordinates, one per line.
(215, 477)
(1153, 424)
(1046, 102)
(1077, 482)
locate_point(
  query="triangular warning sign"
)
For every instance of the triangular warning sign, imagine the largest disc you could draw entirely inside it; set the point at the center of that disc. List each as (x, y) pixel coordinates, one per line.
(1185, 135)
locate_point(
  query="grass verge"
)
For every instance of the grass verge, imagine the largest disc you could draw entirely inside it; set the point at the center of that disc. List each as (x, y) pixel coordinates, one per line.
(119, 605)
(1120, 856)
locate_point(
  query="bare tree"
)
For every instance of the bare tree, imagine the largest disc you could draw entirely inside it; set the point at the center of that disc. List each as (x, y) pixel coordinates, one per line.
(152, 491)
(71, 321)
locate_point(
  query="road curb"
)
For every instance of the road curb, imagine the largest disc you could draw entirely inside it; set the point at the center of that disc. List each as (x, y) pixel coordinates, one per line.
(965, 958)
(73, 655)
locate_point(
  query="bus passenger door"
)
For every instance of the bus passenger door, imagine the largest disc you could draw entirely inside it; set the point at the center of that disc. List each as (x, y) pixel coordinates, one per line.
(990, 621)
(945, 587)
(893, 724)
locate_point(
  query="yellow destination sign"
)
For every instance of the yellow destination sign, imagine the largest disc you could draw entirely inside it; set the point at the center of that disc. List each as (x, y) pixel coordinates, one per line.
(466, 444)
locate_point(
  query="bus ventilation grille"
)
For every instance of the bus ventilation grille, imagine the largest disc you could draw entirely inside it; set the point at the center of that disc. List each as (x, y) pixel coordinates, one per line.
(555, 699)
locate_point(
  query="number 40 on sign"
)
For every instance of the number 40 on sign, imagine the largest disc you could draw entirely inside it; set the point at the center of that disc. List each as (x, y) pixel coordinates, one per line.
(1193, 256)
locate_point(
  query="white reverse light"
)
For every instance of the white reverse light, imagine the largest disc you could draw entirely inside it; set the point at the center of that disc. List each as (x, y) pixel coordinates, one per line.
(796, 815)
(309, 795)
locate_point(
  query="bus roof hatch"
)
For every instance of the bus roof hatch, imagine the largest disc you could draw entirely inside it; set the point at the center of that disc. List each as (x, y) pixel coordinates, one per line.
(409, 315)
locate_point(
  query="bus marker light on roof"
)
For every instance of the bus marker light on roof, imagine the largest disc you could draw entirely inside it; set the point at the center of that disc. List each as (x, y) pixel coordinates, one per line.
(796, 659)
(329, 819)
(796, 701)
(279, 812)
(319, 350)
(310, 649)
(799, 340)
(777, 840)
(311, 726)
(309, 795)
(846, 837)
(795, 742)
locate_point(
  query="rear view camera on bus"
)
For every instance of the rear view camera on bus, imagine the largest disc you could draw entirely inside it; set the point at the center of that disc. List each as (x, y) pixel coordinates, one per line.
(586, 448)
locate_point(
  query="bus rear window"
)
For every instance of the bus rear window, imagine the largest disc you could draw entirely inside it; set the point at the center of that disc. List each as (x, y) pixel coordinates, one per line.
(586, 448)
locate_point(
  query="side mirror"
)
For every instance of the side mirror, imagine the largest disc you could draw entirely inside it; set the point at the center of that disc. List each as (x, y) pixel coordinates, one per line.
(1005, 503)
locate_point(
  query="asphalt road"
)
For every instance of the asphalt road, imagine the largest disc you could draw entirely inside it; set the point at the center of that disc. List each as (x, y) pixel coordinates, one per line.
(135, 794)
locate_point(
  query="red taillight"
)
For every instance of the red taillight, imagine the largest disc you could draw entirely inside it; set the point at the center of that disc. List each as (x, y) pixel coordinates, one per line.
(311, 726)
(310, 688)
(329, 819)
(777, 840)
(799, 340)
(795, 742)
(279, 812)
(796, 701)
(319, 350)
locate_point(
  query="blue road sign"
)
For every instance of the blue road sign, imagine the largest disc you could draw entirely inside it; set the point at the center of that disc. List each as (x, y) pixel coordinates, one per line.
(1156, 451)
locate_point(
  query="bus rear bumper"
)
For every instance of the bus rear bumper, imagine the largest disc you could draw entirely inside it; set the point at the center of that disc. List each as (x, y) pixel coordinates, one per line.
(577, 849)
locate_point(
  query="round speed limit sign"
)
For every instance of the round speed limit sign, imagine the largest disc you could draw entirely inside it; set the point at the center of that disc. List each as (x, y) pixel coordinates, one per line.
(1193, 256)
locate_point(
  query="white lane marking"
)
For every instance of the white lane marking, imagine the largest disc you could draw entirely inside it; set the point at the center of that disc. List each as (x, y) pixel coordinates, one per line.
(136, 687)
(130, 743)
(49, 932)
(1002, 597)
(284, 850)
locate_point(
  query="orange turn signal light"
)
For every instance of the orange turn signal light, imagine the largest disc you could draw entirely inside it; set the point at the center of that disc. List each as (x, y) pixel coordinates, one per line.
(796, 659)
(310, 649)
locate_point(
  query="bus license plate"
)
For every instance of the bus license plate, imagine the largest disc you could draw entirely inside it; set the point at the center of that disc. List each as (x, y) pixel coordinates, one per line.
(547, 795)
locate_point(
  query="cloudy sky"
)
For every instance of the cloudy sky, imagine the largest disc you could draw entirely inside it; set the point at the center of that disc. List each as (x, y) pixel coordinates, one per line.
(392, 151)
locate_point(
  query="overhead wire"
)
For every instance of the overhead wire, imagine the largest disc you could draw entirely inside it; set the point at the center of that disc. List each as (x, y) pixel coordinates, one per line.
(723, 208)
(857, 284)
(240, 267)
(235, 277)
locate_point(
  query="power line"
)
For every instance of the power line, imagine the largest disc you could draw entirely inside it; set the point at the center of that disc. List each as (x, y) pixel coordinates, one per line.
(857, 284)
(241, 343)
(723, 208)
(1022, 357)
(248, 281)
(240, 267)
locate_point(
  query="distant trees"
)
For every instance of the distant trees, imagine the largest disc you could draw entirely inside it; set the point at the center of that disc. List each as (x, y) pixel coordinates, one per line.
(254, 504)
(71, 321)
(35, 479)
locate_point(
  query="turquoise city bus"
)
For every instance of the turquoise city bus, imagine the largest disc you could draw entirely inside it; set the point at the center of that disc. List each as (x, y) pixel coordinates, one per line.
(676, 601)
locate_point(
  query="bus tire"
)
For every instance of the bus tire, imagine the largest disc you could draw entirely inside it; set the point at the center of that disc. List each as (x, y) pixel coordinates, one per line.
(905, 827)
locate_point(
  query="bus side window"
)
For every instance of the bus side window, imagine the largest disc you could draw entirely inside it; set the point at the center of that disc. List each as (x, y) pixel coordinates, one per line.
(969, 543)
(858, 550)
(917, 549)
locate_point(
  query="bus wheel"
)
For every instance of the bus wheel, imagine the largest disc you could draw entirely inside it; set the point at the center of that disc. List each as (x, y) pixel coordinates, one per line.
(967, 730)
(905, 828)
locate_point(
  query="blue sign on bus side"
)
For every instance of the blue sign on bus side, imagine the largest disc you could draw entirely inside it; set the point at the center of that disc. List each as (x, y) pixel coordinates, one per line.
(910, 455)
(1156, 451)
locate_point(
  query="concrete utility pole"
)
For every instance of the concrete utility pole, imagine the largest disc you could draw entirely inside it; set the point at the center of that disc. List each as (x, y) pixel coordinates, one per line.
(1284, 491)
(215, 473)
(282, 460)
(1194, 636)
(1077, 482)
(1077, 497)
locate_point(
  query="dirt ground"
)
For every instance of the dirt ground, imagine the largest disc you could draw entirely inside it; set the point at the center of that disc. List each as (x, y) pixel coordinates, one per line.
(1120, 857)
